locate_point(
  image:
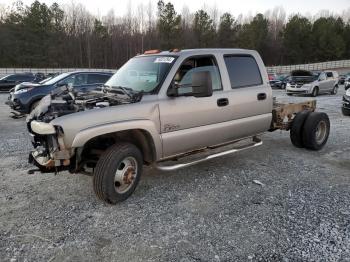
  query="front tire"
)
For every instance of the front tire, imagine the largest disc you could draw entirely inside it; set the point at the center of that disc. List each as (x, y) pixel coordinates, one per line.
(316, 131)
(117, 172)
(314, 92)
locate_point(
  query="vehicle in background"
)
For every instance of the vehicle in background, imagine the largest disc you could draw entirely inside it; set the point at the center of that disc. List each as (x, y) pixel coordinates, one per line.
(341, 79)
(347, 82)
(10, 81)
(308, 83)
(26, 97)
(272, 77)
(25, 85)
(346, 103)
(280, 82)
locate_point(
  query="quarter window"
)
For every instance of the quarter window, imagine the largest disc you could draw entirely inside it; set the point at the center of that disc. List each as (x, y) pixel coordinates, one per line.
(243, 71)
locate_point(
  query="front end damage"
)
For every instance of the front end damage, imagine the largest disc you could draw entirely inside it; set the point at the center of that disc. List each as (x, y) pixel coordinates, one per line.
(50, 154)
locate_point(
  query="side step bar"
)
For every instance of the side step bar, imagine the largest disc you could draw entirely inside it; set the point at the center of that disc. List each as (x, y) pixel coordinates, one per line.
(256, 142)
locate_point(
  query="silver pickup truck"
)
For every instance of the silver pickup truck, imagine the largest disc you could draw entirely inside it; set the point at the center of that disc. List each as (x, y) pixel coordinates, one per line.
(168, 110)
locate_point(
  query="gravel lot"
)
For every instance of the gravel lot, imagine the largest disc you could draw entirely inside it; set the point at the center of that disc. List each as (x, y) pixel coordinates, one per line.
(210, 212)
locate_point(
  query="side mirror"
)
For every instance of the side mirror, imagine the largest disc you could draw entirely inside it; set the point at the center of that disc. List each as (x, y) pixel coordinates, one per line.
(173, 90)
(202, 84)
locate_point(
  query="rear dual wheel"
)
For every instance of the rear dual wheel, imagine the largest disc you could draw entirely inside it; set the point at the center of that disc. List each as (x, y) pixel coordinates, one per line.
(310, 130)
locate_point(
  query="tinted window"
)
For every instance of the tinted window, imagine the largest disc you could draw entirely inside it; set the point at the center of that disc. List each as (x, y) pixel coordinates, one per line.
(243, 71)
(98, 78)
(329, 74)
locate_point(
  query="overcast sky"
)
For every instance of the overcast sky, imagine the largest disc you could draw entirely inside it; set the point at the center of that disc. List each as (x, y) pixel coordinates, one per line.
(236, 7)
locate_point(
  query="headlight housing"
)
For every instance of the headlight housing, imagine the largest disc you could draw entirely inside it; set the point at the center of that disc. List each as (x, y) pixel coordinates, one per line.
(288, 85)
(42, 128)
(24, 90)
(348, 92)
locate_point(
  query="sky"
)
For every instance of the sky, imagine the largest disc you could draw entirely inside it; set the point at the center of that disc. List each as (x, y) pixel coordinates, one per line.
(236, 7)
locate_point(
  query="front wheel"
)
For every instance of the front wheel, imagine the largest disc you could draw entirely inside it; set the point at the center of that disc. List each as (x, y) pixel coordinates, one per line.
(314, 92)
(118, 172)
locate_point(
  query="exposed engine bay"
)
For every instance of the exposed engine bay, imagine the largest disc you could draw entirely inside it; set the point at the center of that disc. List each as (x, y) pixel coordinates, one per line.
(50, 153)
(64, 101)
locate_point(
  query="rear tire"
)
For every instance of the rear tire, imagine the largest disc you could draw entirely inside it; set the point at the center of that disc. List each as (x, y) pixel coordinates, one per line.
(335, 90)
(296, 131)
(316, 131)
(117, 173)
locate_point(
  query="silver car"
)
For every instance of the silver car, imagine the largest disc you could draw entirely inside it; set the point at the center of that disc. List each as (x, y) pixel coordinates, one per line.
(305, 82)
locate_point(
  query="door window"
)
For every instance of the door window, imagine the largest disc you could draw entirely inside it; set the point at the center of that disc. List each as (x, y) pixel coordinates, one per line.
(329, 74)
(183, 76)
(243, 71)
(98, 78)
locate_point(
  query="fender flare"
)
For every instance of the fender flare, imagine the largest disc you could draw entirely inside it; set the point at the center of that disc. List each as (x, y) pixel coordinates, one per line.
(83, 136)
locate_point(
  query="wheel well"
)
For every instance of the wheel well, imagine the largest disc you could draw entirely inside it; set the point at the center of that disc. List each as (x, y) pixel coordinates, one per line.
(32, 103)
(96, 146)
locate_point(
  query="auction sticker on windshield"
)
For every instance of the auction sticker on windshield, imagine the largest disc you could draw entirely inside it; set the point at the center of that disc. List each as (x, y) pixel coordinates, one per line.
(166, 59)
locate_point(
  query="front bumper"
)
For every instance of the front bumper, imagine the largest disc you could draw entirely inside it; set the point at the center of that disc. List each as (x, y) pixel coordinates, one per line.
(298, 89)
(49, 154)
(346, 102)
(15, 104)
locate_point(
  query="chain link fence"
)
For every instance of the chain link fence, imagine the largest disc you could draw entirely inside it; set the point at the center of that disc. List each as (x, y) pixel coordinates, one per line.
(7, 71)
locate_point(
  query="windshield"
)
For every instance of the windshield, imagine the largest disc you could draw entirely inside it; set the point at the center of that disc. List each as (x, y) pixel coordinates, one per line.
(56, 79)
(142, 73)
(4, 77)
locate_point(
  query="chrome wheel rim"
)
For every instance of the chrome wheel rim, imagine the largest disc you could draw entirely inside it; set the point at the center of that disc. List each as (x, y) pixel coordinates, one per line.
(125, 175)
(321, 132)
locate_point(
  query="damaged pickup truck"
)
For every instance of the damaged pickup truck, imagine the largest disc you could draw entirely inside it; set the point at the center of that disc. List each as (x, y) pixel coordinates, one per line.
(168, 110)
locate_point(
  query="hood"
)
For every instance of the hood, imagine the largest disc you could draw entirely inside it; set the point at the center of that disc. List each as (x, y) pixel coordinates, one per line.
(25, 85)
(61, 102)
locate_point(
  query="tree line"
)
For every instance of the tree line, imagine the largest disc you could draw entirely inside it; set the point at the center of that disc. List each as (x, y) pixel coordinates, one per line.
(39, 35)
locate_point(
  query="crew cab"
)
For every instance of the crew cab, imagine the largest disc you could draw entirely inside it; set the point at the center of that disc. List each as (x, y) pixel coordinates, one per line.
(308, 83)
(168, 110)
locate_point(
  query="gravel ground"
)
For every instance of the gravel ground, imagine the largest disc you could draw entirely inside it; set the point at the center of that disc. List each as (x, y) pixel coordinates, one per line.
(209, 212)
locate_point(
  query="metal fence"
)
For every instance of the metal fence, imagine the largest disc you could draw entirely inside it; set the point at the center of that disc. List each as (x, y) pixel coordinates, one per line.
(341, 64)
(7, 71)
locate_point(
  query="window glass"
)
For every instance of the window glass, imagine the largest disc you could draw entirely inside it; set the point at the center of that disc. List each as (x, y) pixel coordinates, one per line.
(183, 76)
(322, 77)
(75, 80)
(143, 73)
(243, 71)
(329, 74)
(98, 78)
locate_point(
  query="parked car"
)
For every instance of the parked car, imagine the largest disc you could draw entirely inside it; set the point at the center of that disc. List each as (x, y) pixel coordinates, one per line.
(346, 103)
(280, 82)
(347, 82)
(9, 81)
(26, 97)
(168, 110)
(308, 83)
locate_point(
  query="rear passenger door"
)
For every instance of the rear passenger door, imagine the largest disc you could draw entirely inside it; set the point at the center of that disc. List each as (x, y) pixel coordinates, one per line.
(249, 95)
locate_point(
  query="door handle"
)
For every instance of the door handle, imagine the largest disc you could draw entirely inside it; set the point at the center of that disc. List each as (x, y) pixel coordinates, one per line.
(222, 102)
(261, 96)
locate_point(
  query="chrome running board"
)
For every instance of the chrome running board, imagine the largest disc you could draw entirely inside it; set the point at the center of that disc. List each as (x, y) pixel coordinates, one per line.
(256, 142)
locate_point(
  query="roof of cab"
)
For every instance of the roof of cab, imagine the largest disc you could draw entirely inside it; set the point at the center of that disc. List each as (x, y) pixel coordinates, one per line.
(200, 51)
